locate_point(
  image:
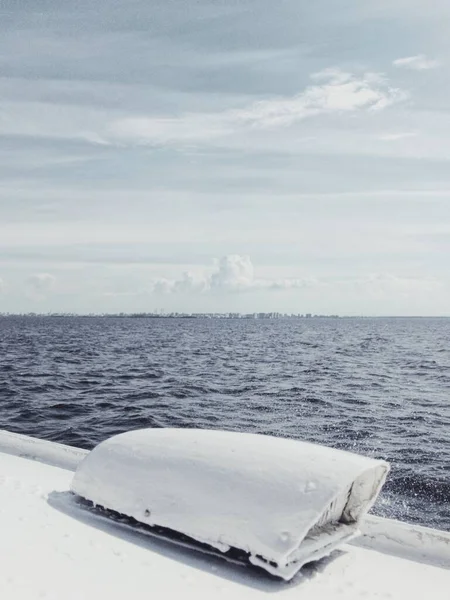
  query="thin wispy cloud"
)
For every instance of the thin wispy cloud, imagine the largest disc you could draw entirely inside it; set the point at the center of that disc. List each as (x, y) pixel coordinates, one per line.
(389, 285)
(136, 146)
(419, 62)
(335, 92)
(395, 136)
(340, 92)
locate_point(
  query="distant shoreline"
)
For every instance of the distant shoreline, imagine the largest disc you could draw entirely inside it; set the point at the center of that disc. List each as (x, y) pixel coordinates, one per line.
(217, 316)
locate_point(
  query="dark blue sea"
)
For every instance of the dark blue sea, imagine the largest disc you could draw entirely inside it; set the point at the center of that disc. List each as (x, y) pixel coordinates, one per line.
(380, 387)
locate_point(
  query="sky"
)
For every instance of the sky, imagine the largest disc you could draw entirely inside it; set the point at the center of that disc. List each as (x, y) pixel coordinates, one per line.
(225, 155)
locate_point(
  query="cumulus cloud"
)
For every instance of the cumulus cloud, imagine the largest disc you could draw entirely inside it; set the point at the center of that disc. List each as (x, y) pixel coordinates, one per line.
(233, 273)
(187, 284)
(334, 91)
(416, 63)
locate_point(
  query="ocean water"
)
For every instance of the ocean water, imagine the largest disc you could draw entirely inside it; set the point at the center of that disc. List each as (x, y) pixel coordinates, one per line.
(380, 387)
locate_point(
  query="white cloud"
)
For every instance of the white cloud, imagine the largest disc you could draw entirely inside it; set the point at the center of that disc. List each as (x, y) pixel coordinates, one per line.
(42, 281)
(120, 294)
(388, 284)
(186, 128)
(416, 63)
(335, 91)
(289, 284)
(233, 273)
(187, 284)
(40, 284)
(236, 274)
(340, 92)
(2, 285)
(393, 137)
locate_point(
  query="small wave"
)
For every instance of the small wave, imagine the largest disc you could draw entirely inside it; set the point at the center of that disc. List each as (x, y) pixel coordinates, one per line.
(138, 376)
(142, 395)
(377, 387)
(65, 410)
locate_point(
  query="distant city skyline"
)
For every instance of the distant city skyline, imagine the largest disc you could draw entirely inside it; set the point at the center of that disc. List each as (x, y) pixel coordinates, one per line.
(218, 157)
(181, 315)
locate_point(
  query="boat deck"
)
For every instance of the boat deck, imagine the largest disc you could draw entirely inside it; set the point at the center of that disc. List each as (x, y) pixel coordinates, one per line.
(50, 548)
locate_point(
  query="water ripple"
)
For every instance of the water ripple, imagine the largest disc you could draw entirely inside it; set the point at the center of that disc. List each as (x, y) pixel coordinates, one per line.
(375, 386)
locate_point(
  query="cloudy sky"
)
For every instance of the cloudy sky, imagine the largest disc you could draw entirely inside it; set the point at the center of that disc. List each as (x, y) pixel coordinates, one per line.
(225, 155)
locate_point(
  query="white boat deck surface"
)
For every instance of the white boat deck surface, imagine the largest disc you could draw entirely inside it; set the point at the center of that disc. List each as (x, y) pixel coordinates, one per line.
(52, 549)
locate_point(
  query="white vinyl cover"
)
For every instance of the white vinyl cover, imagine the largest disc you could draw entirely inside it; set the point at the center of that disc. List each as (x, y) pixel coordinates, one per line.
(284, 502)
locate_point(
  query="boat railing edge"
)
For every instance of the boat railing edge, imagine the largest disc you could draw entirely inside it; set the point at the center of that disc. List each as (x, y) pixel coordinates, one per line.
(389, 536)
(45, 451)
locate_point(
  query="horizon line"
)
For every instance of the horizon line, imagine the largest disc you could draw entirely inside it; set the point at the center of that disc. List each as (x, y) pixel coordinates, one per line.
(270, 315)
